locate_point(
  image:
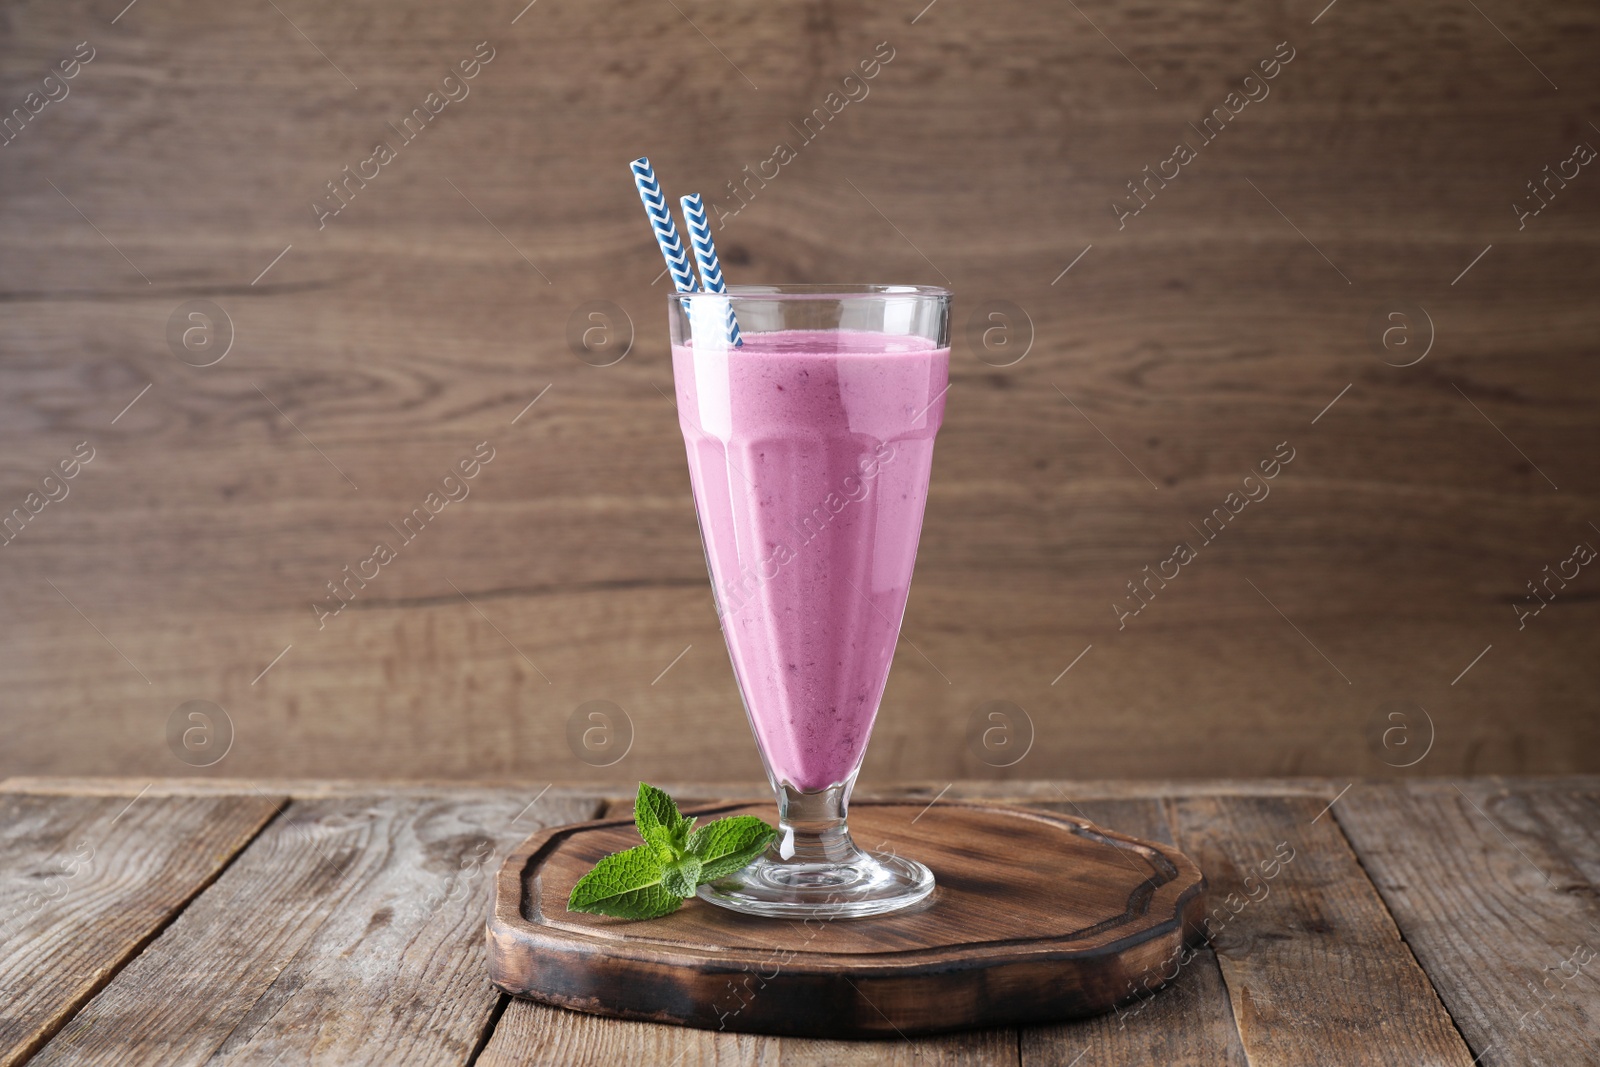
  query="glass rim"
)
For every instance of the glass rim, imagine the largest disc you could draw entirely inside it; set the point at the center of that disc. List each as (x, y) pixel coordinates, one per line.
(816, 291)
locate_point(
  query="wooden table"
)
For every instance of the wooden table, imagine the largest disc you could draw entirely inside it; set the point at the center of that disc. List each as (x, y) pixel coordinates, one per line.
(273, 922)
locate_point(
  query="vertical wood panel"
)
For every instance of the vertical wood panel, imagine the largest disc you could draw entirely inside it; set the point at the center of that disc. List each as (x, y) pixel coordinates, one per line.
(989, 150)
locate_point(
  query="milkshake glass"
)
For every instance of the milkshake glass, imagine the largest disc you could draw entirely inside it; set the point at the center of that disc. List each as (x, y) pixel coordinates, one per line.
(809, 450)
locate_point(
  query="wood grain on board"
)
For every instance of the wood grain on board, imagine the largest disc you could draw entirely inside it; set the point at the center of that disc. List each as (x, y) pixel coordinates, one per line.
(1495, 892)
(88, 881)
(351, 931)
(1188, 1023)
(372, 354)
(1036, 917)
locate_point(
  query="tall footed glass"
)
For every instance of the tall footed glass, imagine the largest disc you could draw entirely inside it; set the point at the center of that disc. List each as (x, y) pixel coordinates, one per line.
(809, 451)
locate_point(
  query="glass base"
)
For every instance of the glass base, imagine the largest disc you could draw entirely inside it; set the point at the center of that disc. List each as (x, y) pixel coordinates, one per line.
(814, 869)
(865, 884)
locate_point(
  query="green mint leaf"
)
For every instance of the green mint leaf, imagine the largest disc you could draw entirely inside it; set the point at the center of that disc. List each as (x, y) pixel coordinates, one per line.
(680, 835)
(680, 878)
(653, 879)
(661, 825)
(627, 885)
(727, 845)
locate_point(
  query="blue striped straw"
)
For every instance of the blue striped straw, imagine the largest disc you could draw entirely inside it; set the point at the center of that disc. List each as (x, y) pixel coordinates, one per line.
(655, 205)
(705, 253)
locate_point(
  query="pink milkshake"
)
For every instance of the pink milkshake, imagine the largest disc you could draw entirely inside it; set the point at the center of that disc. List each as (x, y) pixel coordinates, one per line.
(809, 450)
(809, 454)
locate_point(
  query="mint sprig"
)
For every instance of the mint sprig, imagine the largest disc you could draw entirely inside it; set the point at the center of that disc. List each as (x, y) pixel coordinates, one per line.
(653, 879)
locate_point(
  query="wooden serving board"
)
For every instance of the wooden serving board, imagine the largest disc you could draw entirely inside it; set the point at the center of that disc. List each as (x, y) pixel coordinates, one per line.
(1036, 917)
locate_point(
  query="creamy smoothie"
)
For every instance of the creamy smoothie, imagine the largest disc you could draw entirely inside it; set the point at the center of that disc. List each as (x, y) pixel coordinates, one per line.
(809, 454)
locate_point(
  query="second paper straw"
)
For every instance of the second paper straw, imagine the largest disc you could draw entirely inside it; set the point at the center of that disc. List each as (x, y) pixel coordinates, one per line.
(705, 254)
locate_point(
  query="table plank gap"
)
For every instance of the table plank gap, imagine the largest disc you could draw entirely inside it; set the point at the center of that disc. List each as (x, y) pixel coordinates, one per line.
(1495, 892)
(1405, 939)
(350, 932)
(1293, 911)
(278, 805)
(127, 870)
(531, 1033)
(1189, 1023)
(500, 1005)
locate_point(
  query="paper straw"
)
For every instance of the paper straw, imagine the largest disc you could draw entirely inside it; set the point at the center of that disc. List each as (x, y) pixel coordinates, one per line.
(655, 205)
(705, 253)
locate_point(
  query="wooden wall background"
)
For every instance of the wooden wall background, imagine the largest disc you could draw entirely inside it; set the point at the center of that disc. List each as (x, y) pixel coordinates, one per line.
(426, 316)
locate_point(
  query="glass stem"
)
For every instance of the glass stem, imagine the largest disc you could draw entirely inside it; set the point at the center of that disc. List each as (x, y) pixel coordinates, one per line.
(811, 826)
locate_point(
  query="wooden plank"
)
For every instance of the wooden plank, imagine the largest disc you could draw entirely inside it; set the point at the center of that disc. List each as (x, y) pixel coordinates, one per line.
(87, 881)
(1316, 971)
(1188, 1022)
(985, 1048)
(1570, 817)
(1496, 893)
(529, 1034)
(534, 1034)
(350, 932)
